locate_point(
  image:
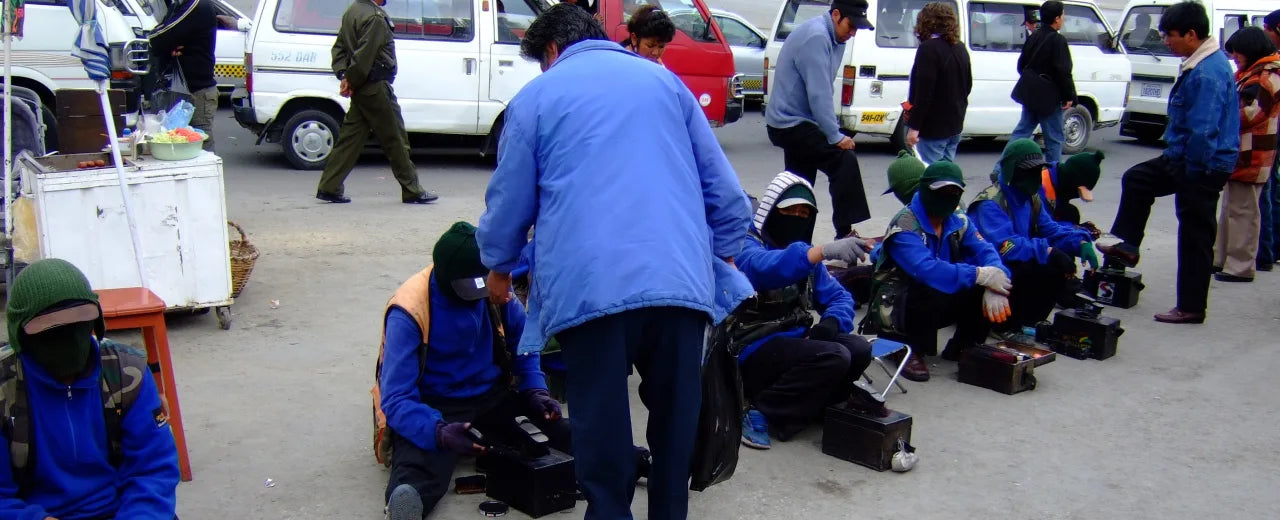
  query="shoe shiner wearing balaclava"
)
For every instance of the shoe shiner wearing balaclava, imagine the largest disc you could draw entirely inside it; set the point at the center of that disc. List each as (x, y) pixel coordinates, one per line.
(940, 266)
(93, 461)
(439, 375)
(1075, 178)
(1037, 249)
(788, 376)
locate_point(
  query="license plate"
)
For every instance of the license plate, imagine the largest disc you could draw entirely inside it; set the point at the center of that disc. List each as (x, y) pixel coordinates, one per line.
(874, 117)
(1151, 90)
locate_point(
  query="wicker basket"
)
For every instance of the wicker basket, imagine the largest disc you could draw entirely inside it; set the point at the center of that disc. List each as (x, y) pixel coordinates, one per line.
(243, 256)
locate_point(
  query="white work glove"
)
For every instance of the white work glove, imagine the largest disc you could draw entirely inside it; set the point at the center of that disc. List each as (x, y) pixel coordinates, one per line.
(993, 278)
(848, 250)
(995, 306)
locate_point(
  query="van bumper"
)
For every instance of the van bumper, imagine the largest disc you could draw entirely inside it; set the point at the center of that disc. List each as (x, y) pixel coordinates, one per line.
(733, 110)
(242, 107)
(1138, 124)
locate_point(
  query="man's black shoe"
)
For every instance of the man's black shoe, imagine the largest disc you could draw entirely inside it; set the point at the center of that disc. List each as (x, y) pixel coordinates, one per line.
(329, 197)
(864, 399)
(1225, 277)
(426, 198)
(1125, 253)
(1265, 267)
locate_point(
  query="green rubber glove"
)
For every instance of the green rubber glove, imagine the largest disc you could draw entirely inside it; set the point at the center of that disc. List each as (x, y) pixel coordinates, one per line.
(1088, 254)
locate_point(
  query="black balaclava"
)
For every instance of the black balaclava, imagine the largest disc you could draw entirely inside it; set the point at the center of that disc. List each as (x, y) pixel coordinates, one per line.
(936, 192)
(62, 351)
(783, 230)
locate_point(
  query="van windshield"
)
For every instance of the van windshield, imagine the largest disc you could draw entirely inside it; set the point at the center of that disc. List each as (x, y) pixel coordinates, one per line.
(1138, 33)
(797, 12)
(896, 22)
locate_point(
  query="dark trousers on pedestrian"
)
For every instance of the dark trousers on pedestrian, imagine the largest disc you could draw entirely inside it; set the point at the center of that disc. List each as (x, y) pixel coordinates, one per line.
(1037, 287)
(1196, 203)
(805, 150)
(664, 344)
(792, 380)
(492, 413)
(1269, 206)
(929, 310)
(373, 109)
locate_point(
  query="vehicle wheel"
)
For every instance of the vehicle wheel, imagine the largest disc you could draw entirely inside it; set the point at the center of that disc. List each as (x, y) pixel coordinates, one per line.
(495, 135)
(1077, 127)
(309, 137)
(898, 139)
(224, 318)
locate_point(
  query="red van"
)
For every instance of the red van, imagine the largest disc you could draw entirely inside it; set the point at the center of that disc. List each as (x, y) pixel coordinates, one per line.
(699, 54)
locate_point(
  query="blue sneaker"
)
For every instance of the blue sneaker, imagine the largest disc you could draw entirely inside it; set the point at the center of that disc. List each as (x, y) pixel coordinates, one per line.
(755, 431)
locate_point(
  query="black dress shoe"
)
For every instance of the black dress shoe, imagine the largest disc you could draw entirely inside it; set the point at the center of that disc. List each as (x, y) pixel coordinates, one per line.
(1176, 315)
(329, 197)
(1265, 267)
(1125, 253)
(426, 198)
(1224, 277)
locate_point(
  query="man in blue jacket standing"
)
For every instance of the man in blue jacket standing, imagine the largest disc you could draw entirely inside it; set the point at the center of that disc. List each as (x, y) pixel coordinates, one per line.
(1037, 249)
(634, 231)
(936, 262)
(1202, 146)
(444, 367)
(793, 373)
(801, 115)
(89, 454)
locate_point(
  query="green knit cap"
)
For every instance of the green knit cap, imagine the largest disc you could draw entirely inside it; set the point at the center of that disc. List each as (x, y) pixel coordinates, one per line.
(1082, 169)
(40, 286)
(904, 176)
(942, 173)
(1018, 151)
(457, 255)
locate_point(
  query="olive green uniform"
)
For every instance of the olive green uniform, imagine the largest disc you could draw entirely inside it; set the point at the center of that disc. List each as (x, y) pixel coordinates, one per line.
(365, 55)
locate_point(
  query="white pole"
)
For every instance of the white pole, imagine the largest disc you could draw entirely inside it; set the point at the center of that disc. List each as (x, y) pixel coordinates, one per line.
(124, 187)
(8, 132)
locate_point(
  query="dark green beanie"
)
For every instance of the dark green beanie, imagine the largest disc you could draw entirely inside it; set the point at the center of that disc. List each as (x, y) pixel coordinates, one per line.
(1082, 169)
(42, 285)
(1018, 151)
(457, 255)
(904, 176)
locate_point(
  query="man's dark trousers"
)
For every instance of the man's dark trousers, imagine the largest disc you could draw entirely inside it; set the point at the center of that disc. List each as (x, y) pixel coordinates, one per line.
(929, 310)
(1196, 202)
(1037, 287)
(373, 108)
(805, 150)
(792, 380)
(492, 413)
(665, 346)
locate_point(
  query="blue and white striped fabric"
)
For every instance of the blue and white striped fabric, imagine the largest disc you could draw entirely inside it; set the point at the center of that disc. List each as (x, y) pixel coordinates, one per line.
(90, 47)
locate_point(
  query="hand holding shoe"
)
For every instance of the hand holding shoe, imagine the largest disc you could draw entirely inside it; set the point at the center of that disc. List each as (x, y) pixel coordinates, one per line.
(995, 306)
(453, 437)
(825, 330)
(541, 402)
(994, 279)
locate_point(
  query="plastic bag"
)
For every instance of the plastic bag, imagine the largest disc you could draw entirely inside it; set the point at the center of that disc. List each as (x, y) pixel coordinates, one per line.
(179, 116)
(715, 450)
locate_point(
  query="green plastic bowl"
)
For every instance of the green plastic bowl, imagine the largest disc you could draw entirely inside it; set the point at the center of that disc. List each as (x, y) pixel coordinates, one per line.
(176, 151)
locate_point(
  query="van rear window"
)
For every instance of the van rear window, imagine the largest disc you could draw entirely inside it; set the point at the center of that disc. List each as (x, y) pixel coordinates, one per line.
(896, 22)
(797, 12)
(448, 20)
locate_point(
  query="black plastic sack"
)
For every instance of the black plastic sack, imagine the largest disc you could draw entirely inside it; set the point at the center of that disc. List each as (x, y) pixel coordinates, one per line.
(169, 90)
(715, 452)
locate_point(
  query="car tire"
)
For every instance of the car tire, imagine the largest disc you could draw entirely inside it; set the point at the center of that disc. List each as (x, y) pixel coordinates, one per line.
(1077, 129)
(308, 138)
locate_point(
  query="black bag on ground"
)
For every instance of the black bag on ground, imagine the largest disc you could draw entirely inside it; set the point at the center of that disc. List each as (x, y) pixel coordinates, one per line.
(715, 450)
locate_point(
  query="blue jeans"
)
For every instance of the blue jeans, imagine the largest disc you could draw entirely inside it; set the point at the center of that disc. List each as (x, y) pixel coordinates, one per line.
(934, 150)
(1051, 125)
(1269, 206)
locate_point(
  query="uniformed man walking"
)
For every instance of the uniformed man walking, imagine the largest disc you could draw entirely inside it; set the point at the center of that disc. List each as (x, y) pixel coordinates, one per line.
(364, 59)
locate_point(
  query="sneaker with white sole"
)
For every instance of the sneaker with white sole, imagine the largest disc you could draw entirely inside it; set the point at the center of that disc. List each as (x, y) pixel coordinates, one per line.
(405, 504)
(755, 430)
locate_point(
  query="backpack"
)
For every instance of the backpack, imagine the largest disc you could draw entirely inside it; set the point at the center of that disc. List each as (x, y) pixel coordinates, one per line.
(887, 309)
(123, 368)
(501, 357)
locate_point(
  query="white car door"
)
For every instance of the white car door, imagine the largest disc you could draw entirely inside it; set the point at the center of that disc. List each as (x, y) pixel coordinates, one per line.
(438, 52)
(228, 50)
(508, 71)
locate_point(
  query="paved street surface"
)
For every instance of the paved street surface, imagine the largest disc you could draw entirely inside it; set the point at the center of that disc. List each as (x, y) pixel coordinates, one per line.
(1180, 424)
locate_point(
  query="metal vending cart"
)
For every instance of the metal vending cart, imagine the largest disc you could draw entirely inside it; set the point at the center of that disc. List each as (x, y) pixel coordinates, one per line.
(180, 211)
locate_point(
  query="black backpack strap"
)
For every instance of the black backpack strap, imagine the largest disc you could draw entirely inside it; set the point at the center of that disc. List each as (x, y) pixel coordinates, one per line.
(17, 427)
(123, 368)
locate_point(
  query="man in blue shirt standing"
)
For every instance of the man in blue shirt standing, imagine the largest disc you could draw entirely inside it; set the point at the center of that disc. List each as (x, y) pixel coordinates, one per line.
(631, 261)
(801, 114)
(1202, 146)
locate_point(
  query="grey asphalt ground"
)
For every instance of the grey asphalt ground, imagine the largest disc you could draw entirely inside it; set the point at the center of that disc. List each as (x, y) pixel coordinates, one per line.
(1180, 424)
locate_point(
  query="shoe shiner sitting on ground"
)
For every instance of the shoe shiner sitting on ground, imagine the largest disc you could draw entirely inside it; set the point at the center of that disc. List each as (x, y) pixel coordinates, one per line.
(1075, 178)
(88, 455)
(444, 369)
(903, 176)
(1038, 250)
(794, 373)
(938, 263)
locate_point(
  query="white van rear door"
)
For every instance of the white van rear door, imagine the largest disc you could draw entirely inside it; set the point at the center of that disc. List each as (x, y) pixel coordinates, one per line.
(791, 14)
(996, 38)
(508, 72)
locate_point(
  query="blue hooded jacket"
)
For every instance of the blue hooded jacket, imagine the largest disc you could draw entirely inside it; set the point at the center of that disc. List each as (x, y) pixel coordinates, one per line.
(459, 362)
(633, 198)
(1012, 235)
(928, 259)
(1204, 117)
(73, 477)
